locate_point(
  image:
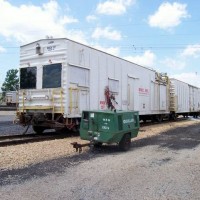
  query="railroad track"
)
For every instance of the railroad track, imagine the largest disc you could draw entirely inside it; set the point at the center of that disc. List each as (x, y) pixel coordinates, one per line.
(149, 123)
(9, 140)
(7, 108)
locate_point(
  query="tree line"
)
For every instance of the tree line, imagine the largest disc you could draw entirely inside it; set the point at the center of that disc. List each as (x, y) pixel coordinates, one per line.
(11, 82)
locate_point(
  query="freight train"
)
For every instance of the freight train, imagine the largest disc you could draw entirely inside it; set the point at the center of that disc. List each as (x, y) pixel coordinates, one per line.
(59, 78)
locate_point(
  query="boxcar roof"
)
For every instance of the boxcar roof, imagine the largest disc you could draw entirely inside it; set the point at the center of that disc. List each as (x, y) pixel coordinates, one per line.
(184, 82)
(151, 69)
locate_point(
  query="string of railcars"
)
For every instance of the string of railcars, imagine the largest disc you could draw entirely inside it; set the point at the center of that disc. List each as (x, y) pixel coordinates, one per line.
(59, 78)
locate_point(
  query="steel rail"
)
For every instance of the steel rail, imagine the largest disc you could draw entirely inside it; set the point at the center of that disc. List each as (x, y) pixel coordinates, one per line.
(150, 123)
(9, 140)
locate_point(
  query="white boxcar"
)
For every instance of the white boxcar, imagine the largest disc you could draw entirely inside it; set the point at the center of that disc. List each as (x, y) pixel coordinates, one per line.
(184, 98)
(59, 78)
(194, 99)
(179, 96)
(11, 98)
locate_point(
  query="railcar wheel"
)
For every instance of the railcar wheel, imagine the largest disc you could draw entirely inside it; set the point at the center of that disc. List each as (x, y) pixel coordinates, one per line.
(125, 142)
(61, 130)
(159, 118)
(98, 144)
(174, 117)
(38, 129)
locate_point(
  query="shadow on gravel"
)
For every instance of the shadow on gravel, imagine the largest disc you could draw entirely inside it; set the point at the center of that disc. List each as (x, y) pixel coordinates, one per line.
(17, 176)
(176, 139)
(55, 166)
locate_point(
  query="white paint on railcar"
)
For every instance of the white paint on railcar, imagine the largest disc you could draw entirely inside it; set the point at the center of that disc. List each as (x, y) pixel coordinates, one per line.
(85, 74)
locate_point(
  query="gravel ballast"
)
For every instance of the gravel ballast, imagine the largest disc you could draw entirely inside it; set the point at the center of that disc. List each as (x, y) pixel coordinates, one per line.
(163, 163)
(20, 156)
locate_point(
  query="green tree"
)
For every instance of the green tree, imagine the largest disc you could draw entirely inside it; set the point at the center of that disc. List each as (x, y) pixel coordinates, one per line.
(11, 82)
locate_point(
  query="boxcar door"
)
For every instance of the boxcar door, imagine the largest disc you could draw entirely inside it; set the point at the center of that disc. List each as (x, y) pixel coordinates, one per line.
(155, 94)
(84, 99)
(191, 99)
(79, 79)
(163, 97)
(133, 94)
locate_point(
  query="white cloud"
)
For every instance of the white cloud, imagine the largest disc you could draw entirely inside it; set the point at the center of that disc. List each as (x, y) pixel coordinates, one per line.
(147, 59)
(77, 36)
(114, 7)
(174, 64)
(2, 50)
(107, 33)
(28, 22)
(191, 78)
(91, 18)
(111, 50)
(192, 50)
(67, 20)
(168, 15)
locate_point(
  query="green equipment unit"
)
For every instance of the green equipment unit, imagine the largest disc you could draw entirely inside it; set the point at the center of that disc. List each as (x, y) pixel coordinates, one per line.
(109, 127)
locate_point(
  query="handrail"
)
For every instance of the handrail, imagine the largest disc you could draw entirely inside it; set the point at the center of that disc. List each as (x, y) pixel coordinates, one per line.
(53, 100)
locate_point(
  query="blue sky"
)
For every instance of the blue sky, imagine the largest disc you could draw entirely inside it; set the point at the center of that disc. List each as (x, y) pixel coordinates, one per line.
(163, 35)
